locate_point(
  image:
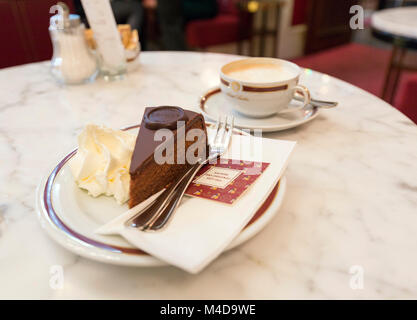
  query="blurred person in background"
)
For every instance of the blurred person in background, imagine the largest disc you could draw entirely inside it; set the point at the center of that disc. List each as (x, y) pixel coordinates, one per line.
(125, 12)
(128, 12)
(199, 9)
(174, 14)
(171, 24)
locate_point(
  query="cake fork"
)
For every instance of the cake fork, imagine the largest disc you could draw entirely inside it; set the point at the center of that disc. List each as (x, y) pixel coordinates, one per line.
(156, 216)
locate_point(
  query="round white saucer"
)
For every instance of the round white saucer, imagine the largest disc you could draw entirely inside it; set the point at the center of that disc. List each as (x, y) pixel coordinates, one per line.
(70, 216)
(213, 103)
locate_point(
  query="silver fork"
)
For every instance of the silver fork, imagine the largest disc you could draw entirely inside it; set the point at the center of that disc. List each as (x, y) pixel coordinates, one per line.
(159, 213)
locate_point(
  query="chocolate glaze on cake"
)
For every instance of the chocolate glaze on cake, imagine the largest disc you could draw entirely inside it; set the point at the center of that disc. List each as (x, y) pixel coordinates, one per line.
(157, 118)
(148, 177)
(164, 117)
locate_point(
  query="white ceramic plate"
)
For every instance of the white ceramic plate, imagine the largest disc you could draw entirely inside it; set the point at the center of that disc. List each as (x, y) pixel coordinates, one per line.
(70, 216)
(213, 104)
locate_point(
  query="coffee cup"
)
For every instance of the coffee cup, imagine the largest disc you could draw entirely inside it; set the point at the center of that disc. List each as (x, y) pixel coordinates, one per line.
(261, 87)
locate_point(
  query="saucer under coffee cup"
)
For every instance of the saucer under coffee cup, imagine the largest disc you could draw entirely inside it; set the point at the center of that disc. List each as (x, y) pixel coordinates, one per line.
(261, 87)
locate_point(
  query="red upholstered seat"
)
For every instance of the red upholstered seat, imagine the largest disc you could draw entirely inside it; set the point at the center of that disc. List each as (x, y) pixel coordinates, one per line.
(223, 28)
(406, 99)
(364, 66)
(299, 15)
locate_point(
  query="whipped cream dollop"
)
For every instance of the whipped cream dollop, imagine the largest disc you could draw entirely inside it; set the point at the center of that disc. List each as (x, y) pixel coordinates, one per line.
(101, 164)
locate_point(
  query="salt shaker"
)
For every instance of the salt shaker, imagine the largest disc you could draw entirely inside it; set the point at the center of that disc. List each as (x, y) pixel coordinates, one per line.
(72, 61)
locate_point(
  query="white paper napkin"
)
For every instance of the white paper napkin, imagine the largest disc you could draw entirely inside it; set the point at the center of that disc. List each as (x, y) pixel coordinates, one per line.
(201, 229)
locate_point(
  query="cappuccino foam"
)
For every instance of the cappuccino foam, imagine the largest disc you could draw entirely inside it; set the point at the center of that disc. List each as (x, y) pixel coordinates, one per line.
(256, 72)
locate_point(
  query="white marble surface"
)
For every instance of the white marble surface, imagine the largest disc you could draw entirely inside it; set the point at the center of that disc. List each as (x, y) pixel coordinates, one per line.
(397, 21)
(351, 197)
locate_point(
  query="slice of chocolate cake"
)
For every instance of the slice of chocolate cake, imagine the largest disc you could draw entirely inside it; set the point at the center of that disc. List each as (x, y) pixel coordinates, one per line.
(148, 174)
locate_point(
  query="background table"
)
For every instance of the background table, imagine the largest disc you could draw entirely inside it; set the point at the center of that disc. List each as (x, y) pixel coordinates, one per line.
(399, 27)
(351, 197)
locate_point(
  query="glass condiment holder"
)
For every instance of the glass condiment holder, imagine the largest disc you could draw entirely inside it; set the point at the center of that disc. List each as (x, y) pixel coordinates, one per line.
(72, 61)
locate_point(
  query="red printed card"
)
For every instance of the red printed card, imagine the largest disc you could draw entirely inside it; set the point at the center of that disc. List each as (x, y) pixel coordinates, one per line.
(226, 180)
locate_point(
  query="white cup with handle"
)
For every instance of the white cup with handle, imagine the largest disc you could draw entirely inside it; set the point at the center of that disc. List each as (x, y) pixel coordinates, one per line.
(261, 87)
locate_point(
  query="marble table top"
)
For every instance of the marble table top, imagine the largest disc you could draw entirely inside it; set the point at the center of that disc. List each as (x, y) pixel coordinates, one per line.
(347, 227)
(396, 21)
